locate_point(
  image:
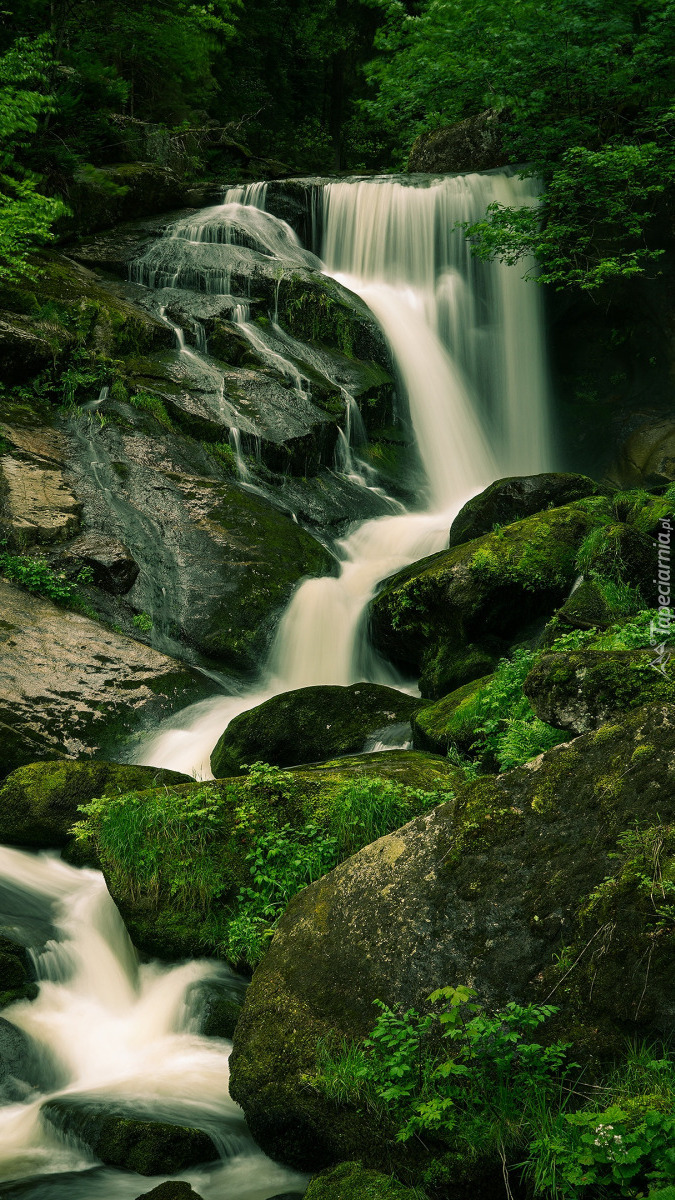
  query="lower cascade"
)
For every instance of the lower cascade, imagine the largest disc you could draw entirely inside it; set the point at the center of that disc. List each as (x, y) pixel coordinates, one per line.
(468, 347)
(105, 1027)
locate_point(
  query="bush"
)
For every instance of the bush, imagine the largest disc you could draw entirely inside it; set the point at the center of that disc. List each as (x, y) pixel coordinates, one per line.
(35, 575)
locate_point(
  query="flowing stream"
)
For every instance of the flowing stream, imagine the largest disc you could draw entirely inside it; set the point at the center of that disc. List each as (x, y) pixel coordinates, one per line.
(105, 1026)
(467, 341)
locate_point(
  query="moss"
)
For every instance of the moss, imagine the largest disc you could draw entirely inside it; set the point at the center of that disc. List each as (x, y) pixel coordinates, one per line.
(442, 606)
(120, 1139)
(579, 690)
(449, 722)
(38, 802)
(352, 1181)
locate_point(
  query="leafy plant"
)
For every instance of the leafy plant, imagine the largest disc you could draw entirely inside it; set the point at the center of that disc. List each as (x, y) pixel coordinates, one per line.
(143, 622)
(34, 573)
(474, 1080)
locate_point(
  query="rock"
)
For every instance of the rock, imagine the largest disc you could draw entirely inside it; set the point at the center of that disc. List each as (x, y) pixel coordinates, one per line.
(484, 890)
(173, 1189)
(39, 802)
(449, 722)
(37, 504)
(515, 497)
(309, 725)
(72, 687)
(101, 196)
(474, 144)
(586, 607)
(158, 926)
(352, 1181)
(439, 617)
(122, 1139)
(646, 458)
(24, 350)
(113, 567)
(20, 1065)
(580, 690)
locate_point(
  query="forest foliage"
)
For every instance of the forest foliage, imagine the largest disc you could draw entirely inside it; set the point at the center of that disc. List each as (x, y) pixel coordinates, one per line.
(583, 92)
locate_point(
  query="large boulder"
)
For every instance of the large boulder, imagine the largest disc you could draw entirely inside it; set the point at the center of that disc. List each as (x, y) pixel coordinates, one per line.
(518, 496)
(474, 144)
(309, 725)
(173, 1189)
(579, 690)
(72, 687)
(39, 802)
(646, 458)
(448, 616)
(486, 890)
(101, 196)
(122, 1138)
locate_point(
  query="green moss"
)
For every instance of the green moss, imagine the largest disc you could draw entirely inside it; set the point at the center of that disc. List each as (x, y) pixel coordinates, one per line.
(352, 1181)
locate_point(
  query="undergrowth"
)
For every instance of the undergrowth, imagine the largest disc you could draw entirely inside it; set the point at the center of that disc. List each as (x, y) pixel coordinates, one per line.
(478, 1085)
(236, 854)
(34, 573)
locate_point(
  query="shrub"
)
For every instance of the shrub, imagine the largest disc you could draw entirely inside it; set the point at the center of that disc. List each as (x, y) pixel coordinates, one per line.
(35, 575)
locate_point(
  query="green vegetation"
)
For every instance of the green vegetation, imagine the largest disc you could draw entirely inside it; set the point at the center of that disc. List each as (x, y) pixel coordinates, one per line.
(34, 573)
(143, 622)
(231, 854)
(583, 92)
(477, 1086)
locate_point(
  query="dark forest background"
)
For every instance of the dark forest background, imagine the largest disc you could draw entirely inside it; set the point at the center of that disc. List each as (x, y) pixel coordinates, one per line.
(582, 91)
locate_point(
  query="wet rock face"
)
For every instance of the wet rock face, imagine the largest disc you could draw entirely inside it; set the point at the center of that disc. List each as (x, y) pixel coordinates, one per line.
(580, 690)
(485, 889)
(71, 687)
(508, 500)
(646, 458)
(449, 616)
(309, 725)
(39, 802)
(123, 1139)
(37, 503)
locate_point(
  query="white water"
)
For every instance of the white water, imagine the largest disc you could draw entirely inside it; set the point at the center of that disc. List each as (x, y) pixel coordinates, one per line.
(468, 345)
(104, 1025)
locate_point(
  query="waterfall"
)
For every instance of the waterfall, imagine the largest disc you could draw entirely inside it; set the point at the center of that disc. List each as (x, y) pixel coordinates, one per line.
(104, 1025)
(467, 340)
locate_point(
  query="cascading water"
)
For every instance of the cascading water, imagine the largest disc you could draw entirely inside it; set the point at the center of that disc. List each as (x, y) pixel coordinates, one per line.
(105, 1026)
(467, 339)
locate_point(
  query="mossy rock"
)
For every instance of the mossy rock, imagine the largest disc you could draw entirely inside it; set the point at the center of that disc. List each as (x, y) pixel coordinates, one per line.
(262, 556)
(352, 1181)
(39, 802)
(450, 721)
(161, 927)
(310, 724)
(517, 496)
(173, 1189)
(579, 690)
(586, 607)
(120, 1138)
(494, 889)
(448, 616)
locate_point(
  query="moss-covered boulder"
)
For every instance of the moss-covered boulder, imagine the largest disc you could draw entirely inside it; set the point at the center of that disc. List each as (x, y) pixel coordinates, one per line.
(501, 888)
(448, 616)
(449, 722)
(586, 607)
(39, 802)
(309, 725)
(511, 499)
(352, 1181)
(164, 925)
(173, 1189)
(121, 1138)
(579, 690)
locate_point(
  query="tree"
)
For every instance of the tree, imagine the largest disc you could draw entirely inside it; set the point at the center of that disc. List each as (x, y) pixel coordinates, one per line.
(584, 93)
(26, 215)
